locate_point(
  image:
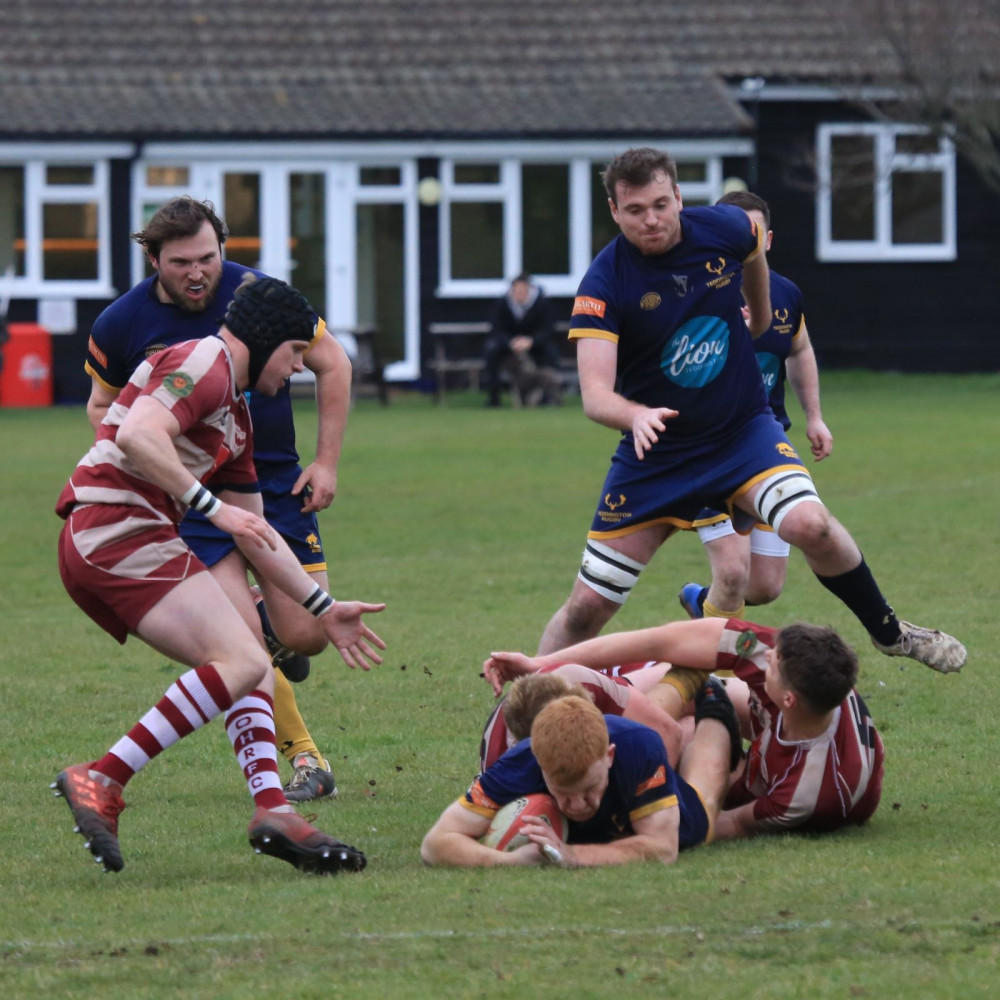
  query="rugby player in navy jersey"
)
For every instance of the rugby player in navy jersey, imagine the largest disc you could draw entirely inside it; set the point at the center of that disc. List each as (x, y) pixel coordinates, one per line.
(816, 760)
(609, 777)
(666, 358)
(187, 298)
(751, 569)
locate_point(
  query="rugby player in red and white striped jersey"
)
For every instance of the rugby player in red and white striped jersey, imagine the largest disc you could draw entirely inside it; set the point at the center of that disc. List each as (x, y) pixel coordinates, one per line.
(815, 762)
(181, 426)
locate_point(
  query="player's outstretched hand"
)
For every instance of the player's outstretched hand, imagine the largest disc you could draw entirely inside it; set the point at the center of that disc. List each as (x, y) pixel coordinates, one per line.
(353, 639)
(503, 667)
(647, 425)
(241, 523)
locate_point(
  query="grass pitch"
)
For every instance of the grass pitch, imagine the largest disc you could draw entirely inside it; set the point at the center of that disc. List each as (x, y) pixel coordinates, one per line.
(469, 523)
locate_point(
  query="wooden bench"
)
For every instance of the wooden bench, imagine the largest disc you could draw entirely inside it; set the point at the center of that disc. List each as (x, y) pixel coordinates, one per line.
(457, 350)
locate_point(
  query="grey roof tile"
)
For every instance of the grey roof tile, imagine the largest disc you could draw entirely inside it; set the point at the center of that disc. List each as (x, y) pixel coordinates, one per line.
(395, 68)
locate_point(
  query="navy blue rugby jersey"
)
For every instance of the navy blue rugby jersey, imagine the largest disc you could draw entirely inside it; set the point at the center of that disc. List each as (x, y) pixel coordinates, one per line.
(682, 341)
(640, 783)
(137, 325)
(775, 344)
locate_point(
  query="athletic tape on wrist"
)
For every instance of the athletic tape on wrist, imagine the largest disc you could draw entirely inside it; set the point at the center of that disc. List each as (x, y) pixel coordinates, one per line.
(318, 602)
(201, 499)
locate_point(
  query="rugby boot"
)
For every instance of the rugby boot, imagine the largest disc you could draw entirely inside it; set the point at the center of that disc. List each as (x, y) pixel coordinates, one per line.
(311, 779)
(95, 807)
(692, 598)
(286, 835)
(934, 649)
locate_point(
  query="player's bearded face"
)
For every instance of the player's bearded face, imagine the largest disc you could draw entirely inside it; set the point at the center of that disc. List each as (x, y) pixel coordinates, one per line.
(189, 270)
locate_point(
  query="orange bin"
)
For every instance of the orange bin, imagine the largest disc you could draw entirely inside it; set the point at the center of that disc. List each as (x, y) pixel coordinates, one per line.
(26, 378)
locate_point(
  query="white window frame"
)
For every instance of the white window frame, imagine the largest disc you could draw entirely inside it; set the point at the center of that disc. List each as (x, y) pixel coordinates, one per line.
(35, 159)
(341, 165)
(507, 191)
(887, 163)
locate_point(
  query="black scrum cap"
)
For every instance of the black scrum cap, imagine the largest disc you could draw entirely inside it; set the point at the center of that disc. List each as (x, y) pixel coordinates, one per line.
(266, 313)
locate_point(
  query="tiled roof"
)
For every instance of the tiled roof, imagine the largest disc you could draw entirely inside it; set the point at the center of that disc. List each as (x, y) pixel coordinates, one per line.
(400, 68)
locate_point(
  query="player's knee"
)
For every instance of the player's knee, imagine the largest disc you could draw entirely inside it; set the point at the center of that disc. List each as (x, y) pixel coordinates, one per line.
(789, 503)
(809, 527)
(607, 574)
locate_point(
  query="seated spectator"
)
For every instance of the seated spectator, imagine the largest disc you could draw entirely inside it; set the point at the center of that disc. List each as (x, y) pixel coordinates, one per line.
(522, 343)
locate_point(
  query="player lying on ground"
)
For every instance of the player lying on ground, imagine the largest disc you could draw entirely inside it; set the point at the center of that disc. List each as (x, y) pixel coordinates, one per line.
(815, 761)
(611, 780)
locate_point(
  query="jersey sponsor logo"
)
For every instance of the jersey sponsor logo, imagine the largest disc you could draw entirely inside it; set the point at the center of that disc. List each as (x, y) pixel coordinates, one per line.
(614, 504)
(583, 305)
(99, 356)
(697, 352)
(649, 301)
(769, 367)
(745, 643)
(479, 798)
(179, 384)
(155, 349)
(659, 778)
(785, 449)
(716, 268)
(680, 285)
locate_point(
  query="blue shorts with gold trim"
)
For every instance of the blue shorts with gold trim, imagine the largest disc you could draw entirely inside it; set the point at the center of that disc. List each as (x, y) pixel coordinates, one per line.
(673, 488)
(283, 512)
(695, 826)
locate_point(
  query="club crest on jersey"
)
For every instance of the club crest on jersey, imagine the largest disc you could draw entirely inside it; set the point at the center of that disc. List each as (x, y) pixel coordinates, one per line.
(179, 384)
(711, 265)
(614, 504)
(785, 449)
(154, 349)
(649, 301)
(745, 643)
(313, 542)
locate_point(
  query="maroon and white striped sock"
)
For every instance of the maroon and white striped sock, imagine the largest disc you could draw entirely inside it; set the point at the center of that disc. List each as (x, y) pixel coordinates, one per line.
(192, 700)
(250, 727)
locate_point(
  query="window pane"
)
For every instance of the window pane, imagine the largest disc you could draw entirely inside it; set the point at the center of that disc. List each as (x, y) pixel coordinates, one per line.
(168, 176)
(602, 227)
(243, 218)
(545, 218)
(852, 187)
(917, 207)
(69, 247)
(380, 276)
(691, 172)
(477, 173)
(307, 208)
(69, 175)
(381, 176)
(12, 220)
(910, 143)
(476, 240)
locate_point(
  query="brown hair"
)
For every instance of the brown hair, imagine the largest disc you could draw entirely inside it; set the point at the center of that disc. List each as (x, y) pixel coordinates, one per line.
(179, 219)
(636, 168)
(529, 695)
(749, 202)
(816, 664)
(569, 735)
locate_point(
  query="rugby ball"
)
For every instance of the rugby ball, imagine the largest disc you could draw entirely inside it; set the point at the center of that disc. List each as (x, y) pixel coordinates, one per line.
(505, 832)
